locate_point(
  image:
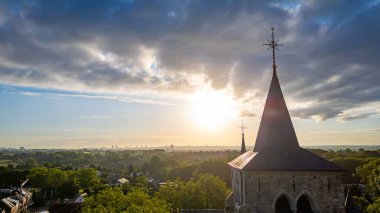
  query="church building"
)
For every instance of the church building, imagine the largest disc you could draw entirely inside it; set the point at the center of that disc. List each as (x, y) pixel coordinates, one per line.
(278, 175)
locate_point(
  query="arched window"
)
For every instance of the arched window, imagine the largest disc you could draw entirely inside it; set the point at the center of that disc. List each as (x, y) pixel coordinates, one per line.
(303, 205)
(282, 205)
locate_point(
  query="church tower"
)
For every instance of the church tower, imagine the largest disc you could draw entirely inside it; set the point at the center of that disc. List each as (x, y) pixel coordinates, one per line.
(278, 175)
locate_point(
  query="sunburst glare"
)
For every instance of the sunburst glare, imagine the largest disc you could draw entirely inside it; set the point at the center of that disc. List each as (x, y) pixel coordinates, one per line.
(212, 109)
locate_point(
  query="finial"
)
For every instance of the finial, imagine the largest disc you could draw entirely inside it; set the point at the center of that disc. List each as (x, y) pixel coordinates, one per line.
(273, 44)
(242, 127)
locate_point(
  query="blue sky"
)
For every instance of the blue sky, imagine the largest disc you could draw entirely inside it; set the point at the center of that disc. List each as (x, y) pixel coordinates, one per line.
(135, 73)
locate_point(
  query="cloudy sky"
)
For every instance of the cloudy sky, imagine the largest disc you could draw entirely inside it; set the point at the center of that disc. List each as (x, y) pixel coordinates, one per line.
(151, 73)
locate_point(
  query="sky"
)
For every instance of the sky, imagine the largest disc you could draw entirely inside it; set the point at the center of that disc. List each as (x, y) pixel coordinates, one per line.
(128, 73)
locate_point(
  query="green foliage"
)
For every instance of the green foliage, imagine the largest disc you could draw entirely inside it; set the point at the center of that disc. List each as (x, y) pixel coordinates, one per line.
(155, 165)
(349, 163)
(212, 191)
(56, 183)
(39, 177)
(217, 168)
(365, 206)
(56, 178)
(374, 207)
(31, 163)
(369, 174)
(360, 202)
(11, 177)
(68, 189)
(87, 177)
(183, 172)
(114, 201)
(205, 191)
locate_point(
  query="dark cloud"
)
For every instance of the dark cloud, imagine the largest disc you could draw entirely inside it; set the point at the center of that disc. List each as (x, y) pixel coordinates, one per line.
(247, 113)
(330, 58)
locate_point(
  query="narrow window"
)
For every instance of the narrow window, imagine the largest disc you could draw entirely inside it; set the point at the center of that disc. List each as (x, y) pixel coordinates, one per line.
(294, 185)
(259, 185)
(328, 185)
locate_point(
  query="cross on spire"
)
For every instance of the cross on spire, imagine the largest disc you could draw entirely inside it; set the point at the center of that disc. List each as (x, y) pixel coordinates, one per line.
(273, 44)
(242, 127)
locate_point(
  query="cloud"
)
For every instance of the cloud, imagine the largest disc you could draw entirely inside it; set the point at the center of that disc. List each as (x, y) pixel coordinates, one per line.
(124, 99)
(246, 113)
(330, 56)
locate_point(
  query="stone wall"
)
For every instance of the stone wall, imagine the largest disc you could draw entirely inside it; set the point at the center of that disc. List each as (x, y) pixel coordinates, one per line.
(237, 186)
(324, 190)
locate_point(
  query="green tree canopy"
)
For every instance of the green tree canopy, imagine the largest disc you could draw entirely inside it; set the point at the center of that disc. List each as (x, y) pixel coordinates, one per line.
(369, 174)
(205, 191)
(114, 201)
(87, 177)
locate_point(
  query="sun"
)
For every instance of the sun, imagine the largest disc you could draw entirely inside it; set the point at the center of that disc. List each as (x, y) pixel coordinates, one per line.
(212, 109)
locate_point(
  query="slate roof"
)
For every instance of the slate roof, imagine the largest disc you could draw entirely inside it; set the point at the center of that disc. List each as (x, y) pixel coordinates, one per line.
(276, 128)
(275, 160)
(276, 147)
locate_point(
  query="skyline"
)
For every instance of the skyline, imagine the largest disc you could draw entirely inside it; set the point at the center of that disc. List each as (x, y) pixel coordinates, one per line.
(135, 73)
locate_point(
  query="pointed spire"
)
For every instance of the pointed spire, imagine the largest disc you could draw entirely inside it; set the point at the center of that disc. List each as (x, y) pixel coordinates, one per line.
(276, 128)
(242, 127)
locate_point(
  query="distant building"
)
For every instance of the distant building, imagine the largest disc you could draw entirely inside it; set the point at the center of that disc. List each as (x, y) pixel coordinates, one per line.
(120, 182)
(15, 200)
(278, 175)
(68, 205)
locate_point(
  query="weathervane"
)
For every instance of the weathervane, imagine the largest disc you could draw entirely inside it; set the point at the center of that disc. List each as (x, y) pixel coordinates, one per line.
(242, 127)
(274, 45)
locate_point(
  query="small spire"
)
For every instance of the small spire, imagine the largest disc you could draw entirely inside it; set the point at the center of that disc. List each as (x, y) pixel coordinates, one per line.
(242, 127)
(273, 44)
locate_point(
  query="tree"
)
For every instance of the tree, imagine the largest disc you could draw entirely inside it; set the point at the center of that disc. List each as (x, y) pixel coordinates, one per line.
(171, 193)
(374, 207)
(369, 174)
(360, 202)
(184, 172)
(204, 191)
(87, 177)
(113, 200)
(53, 182)
(12, 177)
(56, 178)
(217, 168)
(31, 163)
(212, 191)
(155, 164)
(69, 188)
(39, 177)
